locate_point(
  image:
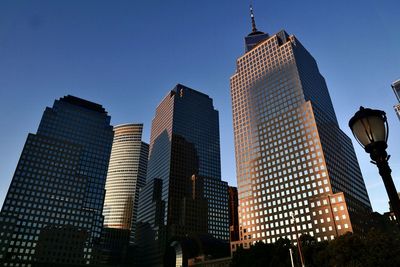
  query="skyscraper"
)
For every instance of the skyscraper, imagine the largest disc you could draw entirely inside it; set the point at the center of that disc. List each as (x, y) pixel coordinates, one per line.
(184, 193)
(291, 156)
(126, 175)
(53, 209)
(396, 90)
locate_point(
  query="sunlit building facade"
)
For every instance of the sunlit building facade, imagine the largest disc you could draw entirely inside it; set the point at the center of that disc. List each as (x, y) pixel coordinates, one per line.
(52, 213)
(184, 194)
(126, 175)
(291, 156)
(396, 90)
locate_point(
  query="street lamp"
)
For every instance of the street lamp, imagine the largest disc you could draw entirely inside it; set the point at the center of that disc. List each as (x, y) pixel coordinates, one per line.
(370, 128)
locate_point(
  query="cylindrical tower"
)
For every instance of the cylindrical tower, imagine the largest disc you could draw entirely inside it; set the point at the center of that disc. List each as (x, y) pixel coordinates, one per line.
(126, 174)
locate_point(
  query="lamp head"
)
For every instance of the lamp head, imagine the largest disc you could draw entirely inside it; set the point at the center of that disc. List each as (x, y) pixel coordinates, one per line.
(370, 128)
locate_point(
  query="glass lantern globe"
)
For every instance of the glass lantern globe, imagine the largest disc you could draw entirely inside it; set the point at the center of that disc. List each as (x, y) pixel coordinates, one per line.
(369, 127)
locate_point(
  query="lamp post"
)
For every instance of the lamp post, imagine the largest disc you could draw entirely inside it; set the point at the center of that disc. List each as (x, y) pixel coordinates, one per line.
(298, 240)
(370, 128)
(291, 256)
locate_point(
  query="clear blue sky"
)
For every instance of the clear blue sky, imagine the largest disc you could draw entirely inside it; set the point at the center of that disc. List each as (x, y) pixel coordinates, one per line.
(126, 55)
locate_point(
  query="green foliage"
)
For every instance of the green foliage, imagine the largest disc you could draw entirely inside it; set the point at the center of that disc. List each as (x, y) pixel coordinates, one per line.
(349, 250)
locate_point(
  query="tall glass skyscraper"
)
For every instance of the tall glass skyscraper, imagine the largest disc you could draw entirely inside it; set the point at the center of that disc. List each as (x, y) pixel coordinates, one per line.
(53, 209)
(184, 193)
(291, 156)
(126, 175)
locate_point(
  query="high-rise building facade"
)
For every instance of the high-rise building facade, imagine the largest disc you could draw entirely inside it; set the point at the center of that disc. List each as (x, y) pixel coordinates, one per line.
(126, 175)
(396, 90)
(233, 214)
(184, 193)
(53, 209)
(291, 156)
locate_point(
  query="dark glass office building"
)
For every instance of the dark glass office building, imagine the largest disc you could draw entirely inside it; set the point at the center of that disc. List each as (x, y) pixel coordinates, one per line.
(291, 156)
(52, 213)
(184, 193)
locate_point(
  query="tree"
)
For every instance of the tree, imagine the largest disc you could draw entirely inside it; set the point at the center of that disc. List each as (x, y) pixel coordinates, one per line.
(375, 249)
(262, 255)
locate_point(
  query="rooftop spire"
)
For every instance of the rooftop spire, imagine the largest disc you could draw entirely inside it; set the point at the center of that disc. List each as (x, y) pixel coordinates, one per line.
(253, 21)
(256, 36)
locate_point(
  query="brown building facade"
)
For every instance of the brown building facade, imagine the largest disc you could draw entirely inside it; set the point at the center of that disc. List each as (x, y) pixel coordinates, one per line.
(233, 214)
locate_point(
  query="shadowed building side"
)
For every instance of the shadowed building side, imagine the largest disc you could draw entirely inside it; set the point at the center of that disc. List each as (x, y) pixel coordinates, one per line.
(233, 214)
